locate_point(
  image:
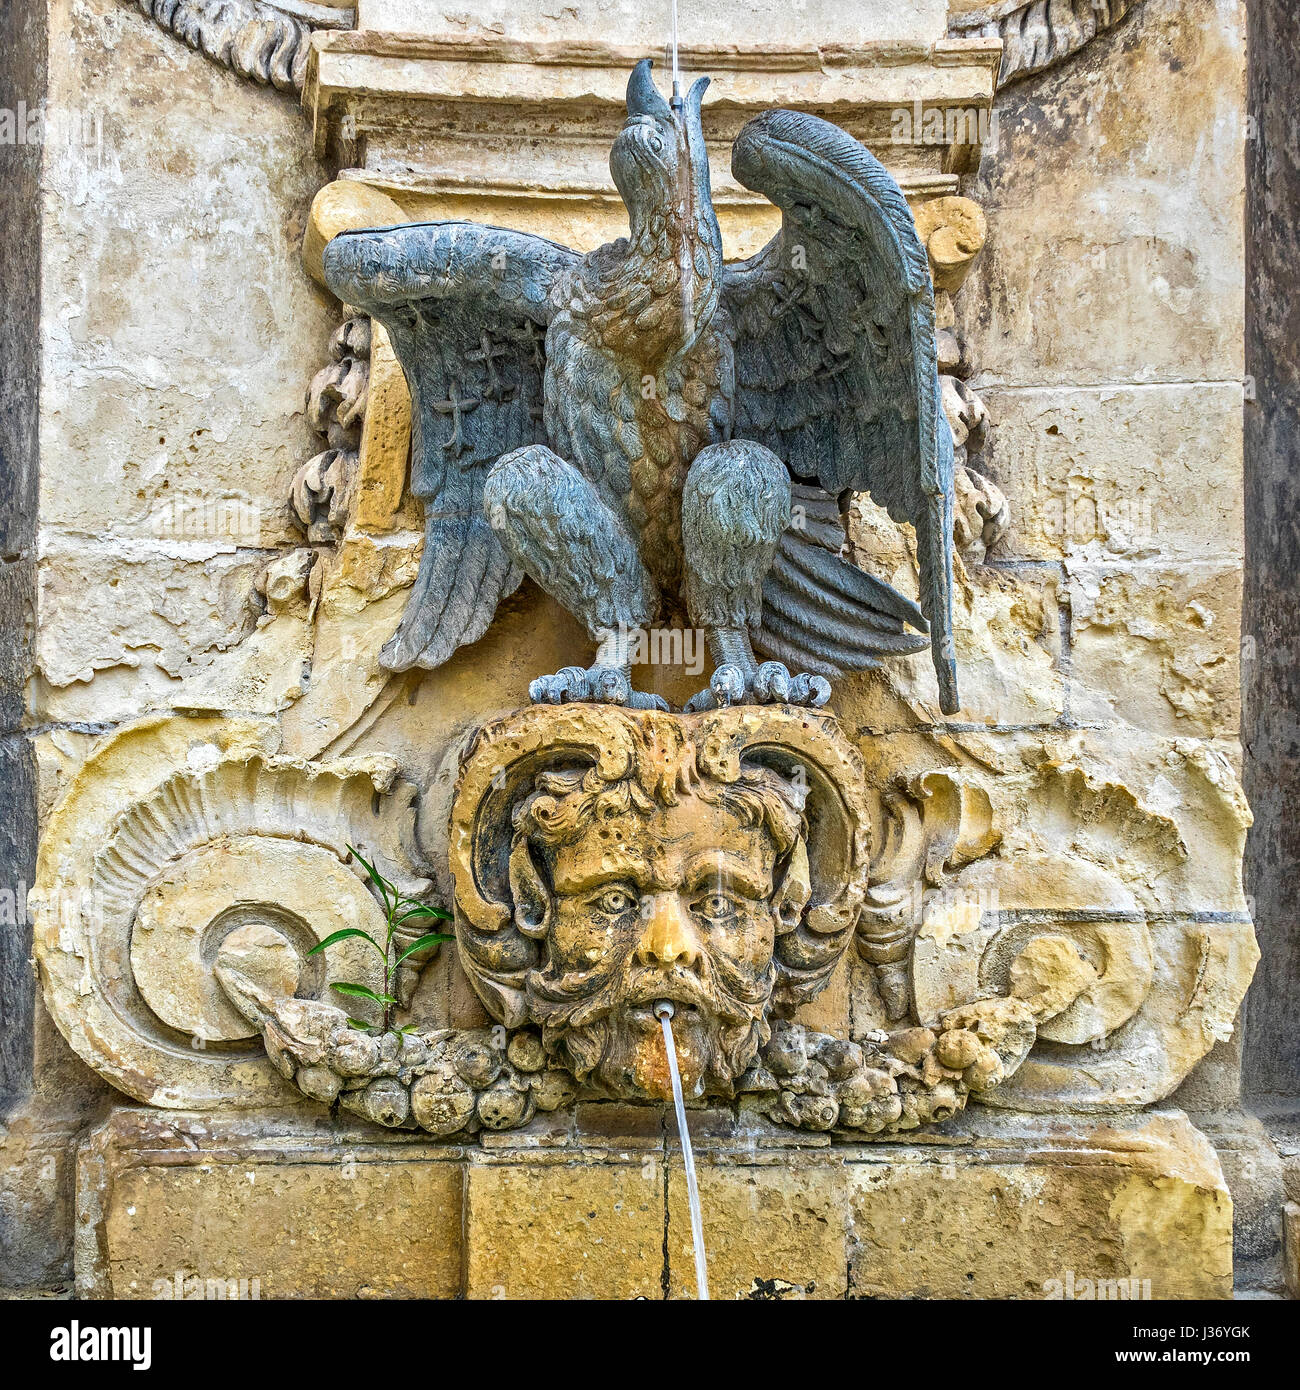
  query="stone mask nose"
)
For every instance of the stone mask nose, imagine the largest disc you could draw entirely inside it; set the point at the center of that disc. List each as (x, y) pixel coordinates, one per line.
(669, 938)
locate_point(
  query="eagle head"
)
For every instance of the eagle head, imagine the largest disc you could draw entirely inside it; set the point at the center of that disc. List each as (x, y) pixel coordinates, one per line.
(659, 161)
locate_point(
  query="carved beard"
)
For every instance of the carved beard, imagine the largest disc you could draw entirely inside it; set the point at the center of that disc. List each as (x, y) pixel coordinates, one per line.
(600, 1024)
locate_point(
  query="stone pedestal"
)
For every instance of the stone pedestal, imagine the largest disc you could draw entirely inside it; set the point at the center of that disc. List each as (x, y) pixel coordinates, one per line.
(1003, 1206)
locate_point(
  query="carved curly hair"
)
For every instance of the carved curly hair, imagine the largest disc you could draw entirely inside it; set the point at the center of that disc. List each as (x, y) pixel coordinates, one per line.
(564, 802)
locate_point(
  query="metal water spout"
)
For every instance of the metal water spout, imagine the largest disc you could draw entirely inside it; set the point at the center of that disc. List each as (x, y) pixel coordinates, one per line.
(664, 1013)
(676, 67)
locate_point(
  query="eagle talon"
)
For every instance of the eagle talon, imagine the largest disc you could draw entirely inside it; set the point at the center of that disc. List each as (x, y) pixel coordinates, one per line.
(643, 699)
(770, 684)
(569, 684)
(727, 686)
(607, 685)
(601, 685)
(809, 690)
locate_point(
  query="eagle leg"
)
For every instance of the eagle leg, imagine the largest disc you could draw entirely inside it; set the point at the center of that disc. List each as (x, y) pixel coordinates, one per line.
(564, 536)
(735, 507)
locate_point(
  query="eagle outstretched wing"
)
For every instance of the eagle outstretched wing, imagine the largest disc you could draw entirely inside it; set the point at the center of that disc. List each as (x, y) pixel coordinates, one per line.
(837, 374)
(466, 308)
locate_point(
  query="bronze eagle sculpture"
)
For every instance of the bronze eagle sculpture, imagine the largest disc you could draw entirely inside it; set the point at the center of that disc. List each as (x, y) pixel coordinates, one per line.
(647, 429)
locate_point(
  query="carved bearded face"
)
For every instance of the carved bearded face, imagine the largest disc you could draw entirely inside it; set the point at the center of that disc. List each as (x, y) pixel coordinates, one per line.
(644, 902)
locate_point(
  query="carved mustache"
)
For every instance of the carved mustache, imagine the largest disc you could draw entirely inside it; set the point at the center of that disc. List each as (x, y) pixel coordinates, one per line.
(646, 985)
(577, 999)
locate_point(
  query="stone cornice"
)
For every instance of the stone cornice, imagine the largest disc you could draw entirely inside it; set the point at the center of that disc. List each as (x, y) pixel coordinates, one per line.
(384, 101)
(759, 57)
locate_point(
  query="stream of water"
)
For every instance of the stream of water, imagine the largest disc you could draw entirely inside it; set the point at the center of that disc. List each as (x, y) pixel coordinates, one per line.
(664, 1013)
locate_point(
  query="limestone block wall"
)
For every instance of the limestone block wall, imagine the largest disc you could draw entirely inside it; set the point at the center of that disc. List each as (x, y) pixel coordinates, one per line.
(1106, 322)
(1106, 319)
(162, 308)
(178, 361)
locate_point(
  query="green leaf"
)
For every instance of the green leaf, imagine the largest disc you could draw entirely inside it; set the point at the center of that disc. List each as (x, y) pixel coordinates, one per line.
(359, 1023)
(432, 939)
(408, 1028)
(343, 936)
(361, 992)
(380, 882)
(424, 910)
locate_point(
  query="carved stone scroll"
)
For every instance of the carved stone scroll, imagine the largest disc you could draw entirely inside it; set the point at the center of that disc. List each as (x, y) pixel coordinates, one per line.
(180, 838)
(265, 41)
(1040, 34)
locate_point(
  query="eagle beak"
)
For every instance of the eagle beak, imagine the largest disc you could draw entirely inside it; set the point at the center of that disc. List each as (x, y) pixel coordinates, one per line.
(695, 96)
(643, 97)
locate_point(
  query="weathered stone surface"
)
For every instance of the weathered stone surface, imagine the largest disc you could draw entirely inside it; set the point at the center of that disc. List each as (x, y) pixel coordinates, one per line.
(192, 828)
(1009, 646)
(187, 331)
(989, 1208)
(363, 595)
(1291, 1227)
(305, 1211)
(1271, 643)
(36, 1194)
(1160, 1031)
(1034, 38)
(1254, 1169)
(1032, 1211)
(18, 838)
(383, 463)
(1163, 820)
(173, 627)
(911, 19)
(23, 37)
(172, 940)
(953, 232)
(1122, 472)
(154, 611)
(262, 43)
(772, 1230)
(1114, 198)
(1157, 646)
(533, 118)
(565, 1227)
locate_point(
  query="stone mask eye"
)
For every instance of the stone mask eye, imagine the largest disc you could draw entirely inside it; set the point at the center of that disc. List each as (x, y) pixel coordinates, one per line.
(614, 902)
(715, 905)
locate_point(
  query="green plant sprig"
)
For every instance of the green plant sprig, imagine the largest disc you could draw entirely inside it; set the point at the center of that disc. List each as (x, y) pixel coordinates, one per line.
(398, 909)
